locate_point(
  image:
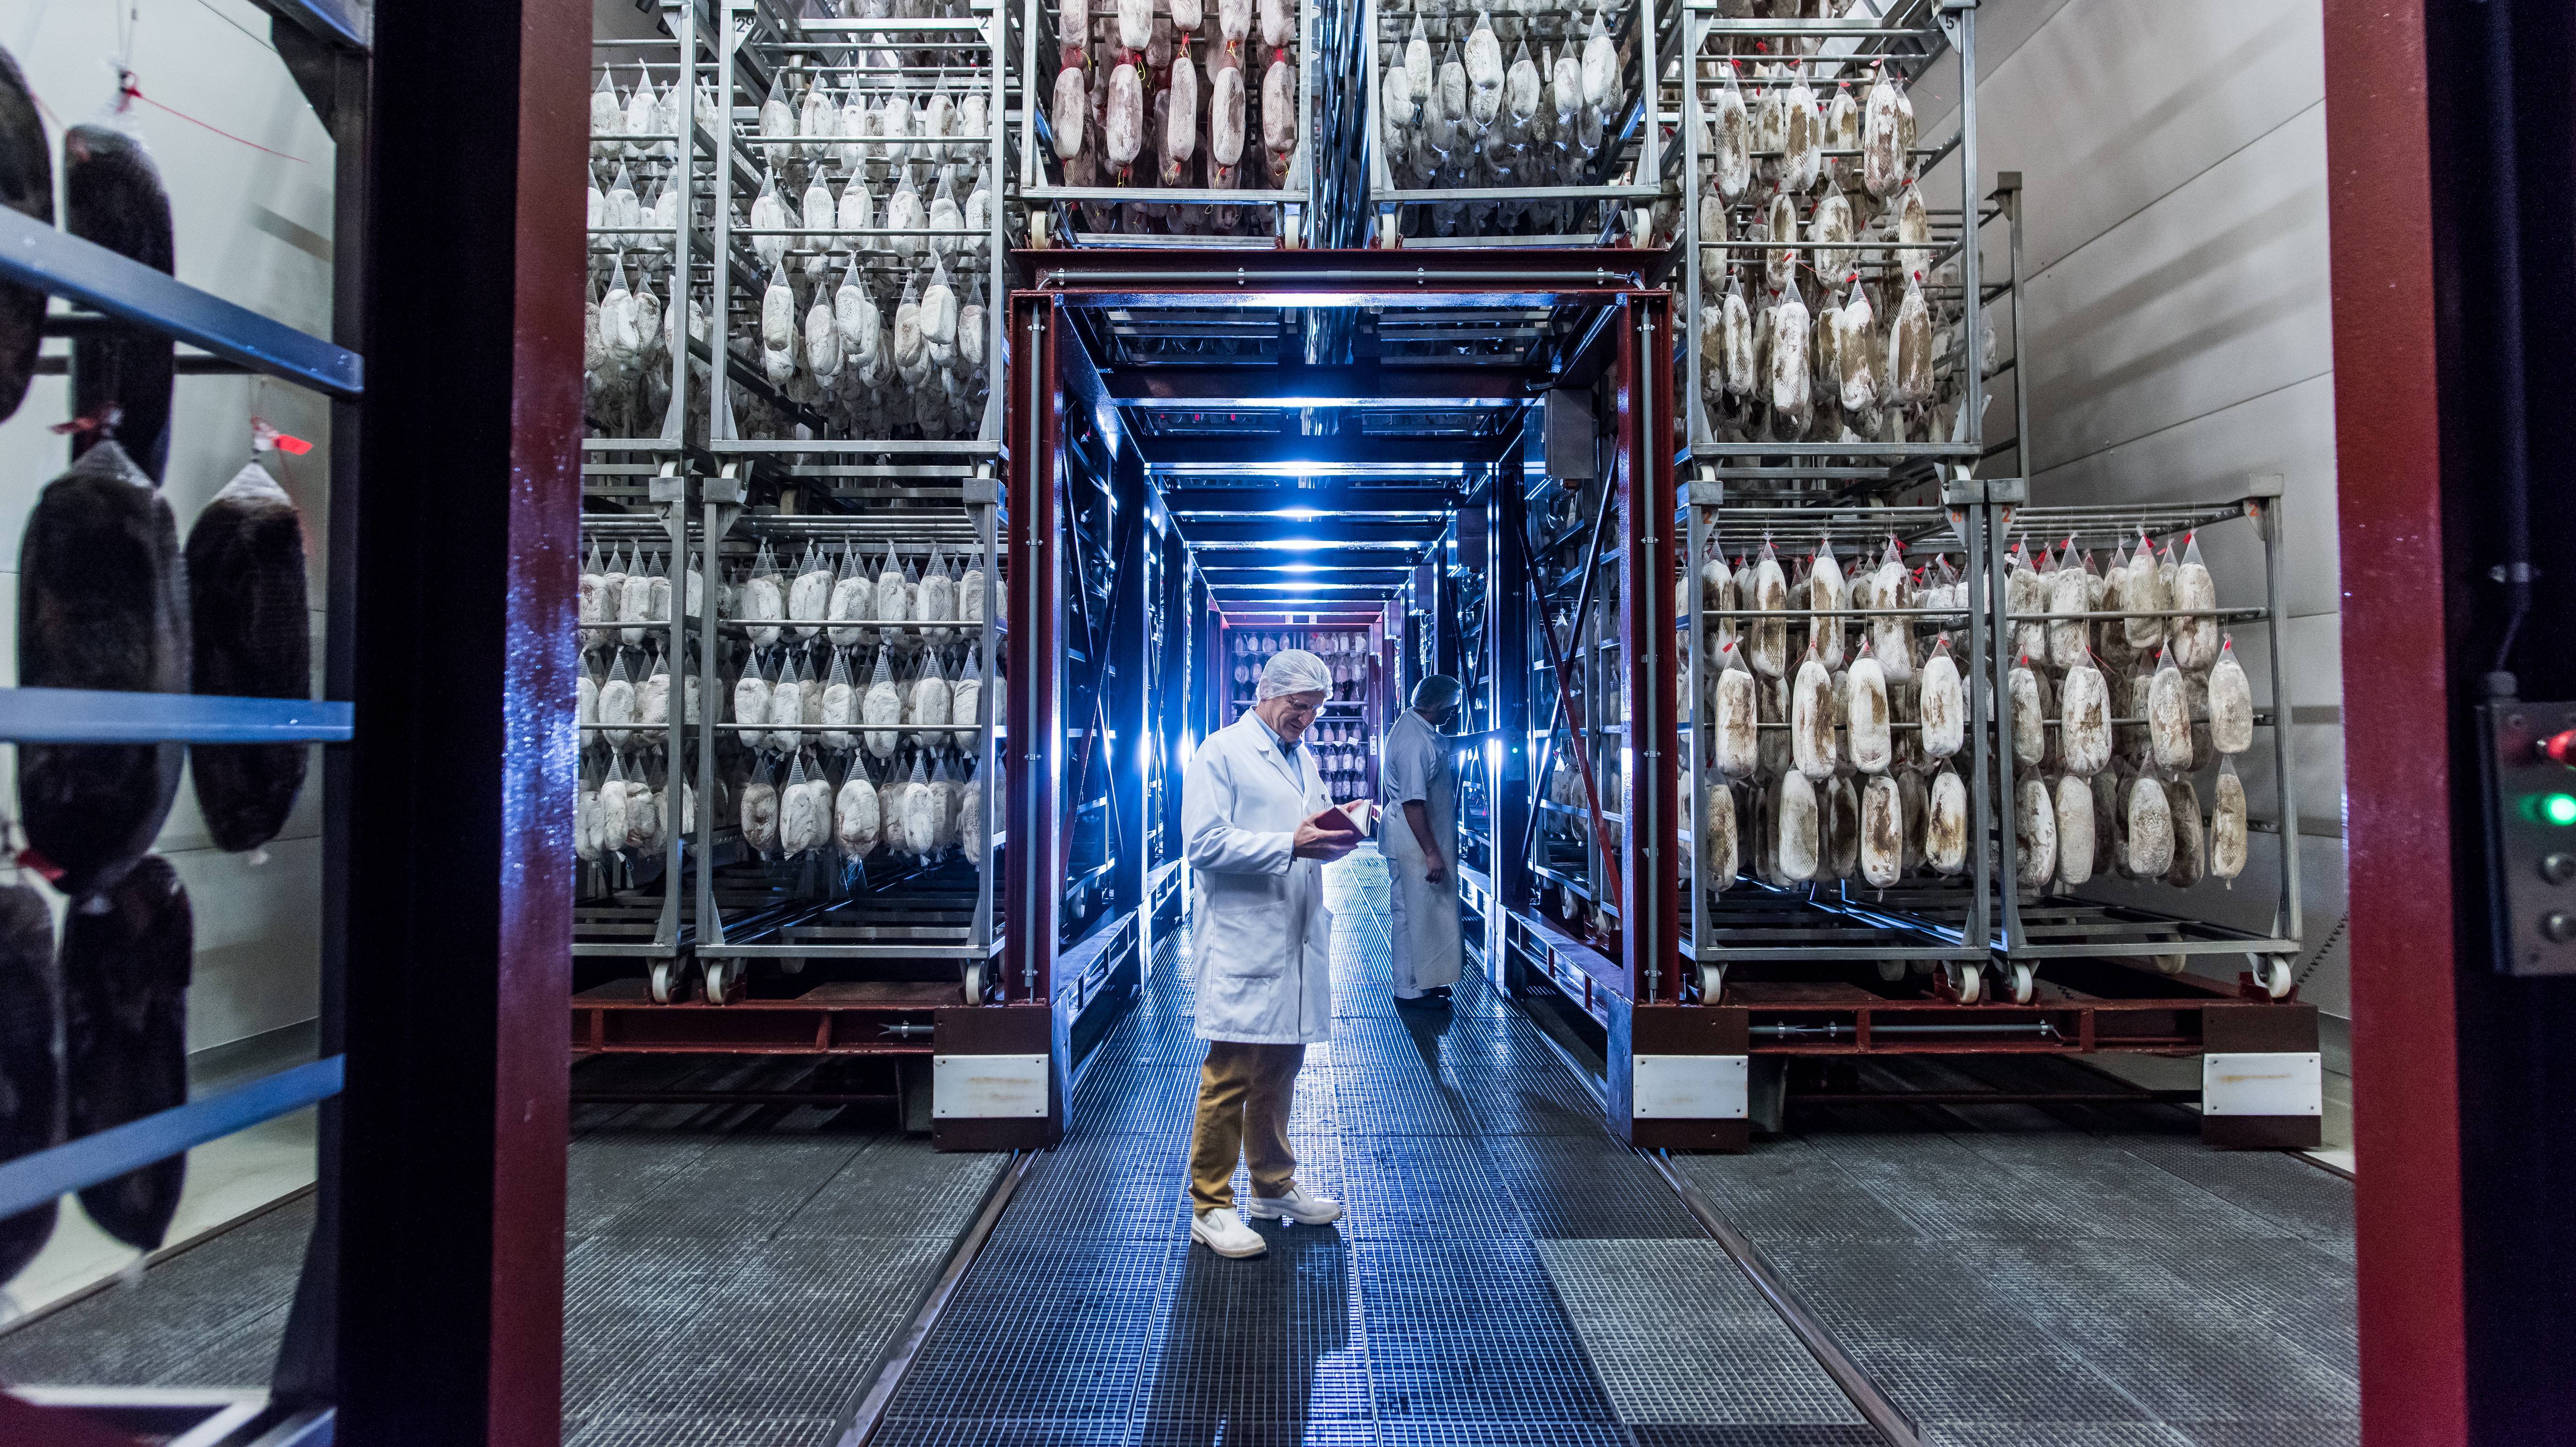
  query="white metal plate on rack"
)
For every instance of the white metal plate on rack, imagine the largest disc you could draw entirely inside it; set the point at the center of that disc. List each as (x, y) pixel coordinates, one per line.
(981, 1087)
(1687, 1087)
(2273, 1082)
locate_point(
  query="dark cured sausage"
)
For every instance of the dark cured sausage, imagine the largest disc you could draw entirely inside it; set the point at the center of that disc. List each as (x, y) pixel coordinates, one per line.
(102, 603)
(253, 637)
(125, 1017)
(31, 1061)
(112, 195)
(27, 184)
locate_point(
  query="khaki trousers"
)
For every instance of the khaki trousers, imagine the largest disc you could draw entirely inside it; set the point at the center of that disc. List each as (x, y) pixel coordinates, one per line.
(1244, 1094)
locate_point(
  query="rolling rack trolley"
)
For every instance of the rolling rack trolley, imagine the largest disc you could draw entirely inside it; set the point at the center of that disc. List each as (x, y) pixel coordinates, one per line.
(1079, 200)
(858, 454)
(1518, 181)
(1769, 973)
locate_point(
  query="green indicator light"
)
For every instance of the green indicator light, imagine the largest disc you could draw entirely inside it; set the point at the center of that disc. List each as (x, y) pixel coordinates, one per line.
(2558, 808)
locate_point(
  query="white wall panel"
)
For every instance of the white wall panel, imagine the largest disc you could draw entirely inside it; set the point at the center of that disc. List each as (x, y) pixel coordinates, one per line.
(2111, 105)
(2214, 294)
(2178, 338)
(2287, 433)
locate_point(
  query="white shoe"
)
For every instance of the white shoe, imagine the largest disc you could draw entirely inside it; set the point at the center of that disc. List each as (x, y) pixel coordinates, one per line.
(1297, 1206)
(1224, 1233)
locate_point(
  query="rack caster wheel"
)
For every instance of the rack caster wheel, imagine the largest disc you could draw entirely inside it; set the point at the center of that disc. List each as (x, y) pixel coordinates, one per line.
(665, 982)
(1960, 982)
(1712, 984)
(2271, 976)
(724, 982)
(2024, 984)
(1891, 970)
(974, 984)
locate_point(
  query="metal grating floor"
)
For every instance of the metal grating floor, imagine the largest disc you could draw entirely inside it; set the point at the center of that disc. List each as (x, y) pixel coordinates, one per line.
(2063, 1275)
(1507, 1273)
(731, 1273)
(1499, 1278)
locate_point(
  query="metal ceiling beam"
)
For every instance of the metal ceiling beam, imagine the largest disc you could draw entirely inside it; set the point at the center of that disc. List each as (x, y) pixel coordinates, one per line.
(1262, 534)
(1275, 455)
(1365, 385)
(1304, 502)
(1303, 587)
(1397, 568)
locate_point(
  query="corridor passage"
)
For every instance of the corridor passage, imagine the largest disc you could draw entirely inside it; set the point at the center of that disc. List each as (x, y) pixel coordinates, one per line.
(1507, 1273)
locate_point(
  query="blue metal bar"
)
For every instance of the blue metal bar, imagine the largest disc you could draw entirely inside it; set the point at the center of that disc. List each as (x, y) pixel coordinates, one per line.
(34, 254)
(32, 1180)
(102, 716)
(327, 20)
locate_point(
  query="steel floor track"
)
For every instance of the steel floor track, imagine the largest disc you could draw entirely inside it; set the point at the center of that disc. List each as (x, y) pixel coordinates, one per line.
(1506, 1274)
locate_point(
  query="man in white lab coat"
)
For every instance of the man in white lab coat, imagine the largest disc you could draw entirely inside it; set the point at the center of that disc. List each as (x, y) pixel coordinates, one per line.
(1260, 948)
(1418, 778)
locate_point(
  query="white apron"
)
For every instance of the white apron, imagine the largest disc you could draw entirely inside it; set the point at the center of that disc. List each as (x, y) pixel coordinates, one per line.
(1422, 917)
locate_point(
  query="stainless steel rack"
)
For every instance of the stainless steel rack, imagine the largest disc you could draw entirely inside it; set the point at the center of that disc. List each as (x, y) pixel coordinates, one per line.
(1621, 170)
(2167, 924)
(720, 906)
(1945, 436)
(1964, 925)
(1922, 922)
(886, 62)
(1142, 212)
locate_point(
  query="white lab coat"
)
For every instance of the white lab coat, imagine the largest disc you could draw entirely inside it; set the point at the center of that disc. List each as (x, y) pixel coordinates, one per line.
(1261, 940)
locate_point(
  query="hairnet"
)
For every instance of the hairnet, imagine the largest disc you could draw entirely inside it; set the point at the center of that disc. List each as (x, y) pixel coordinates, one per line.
(1293, 670)
(1437, 691)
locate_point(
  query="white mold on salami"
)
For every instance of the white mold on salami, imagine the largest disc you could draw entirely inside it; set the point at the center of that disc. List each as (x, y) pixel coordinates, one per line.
(2231, 703)
(2075, 845)
(1872, 744)
(2148, 827)
(1801, 837)
(2182, 804)
(2169, 716)
(1882, 832)
(2028, 715)
(1945, 829)
(2084, 719)
(1738, 734)
(2034, 833)
(2227, 824)
(1717, 852)
(1811, 724)
(1943, 704)
(1840, 816)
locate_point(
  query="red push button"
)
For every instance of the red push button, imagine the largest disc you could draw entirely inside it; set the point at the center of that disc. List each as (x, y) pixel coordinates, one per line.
(2560, 747)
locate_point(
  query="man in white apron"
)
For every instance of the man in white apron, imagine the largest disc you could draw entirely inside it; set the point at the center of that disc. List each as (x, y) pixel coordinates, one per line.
(1261, 948)
(1418, 774)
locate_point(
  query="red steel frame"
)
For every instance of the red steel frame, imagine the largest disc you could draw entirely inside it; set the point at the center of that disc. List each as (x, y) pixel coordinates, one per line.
(2407, 1201)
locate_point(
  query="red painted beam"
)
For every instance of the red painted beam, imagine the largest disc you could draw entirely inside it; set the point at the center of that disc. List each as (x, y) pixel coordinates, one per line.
(446, 1207)
(2398, 795)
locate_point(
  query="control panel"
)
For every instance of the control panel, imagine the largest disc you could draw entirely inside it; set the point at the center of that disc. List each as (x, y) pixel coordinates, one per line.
(2530, 777)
